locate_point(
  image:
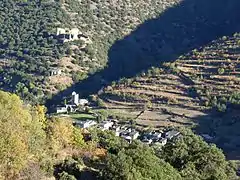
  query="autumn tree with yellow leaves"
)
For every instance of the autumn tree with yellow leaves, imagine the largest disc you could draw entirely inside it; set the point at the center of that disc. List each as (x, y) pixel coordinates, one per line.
(26, 135)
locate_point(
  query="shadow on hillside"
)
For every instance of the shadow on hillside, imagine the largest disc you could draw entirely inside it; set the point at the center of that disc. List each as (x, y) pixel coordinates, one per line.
(189, 25)
(223, 128)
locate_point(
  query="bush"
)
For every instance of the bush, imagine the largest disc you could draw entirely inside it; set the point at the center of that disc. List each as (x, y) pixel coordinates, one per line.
(65, 176)
(221, 71)
(221, 107)
(69, 168)
(79, 76)
(100, 103)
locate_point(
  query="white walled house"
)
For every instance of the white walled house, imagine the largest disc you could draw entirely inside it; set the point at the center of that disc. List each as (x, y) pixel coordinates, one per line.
(85, 124)
(134, 134)
(130, 135)
(83, 102)
(105, 125)
(64, 109)
(171, 134)
(147, 141)
(77, 101)
(163, 141)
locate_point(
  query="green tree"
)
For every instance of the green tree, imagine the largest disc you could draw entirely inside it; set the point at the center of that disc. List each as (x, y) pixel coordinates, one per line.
(60, 133)
(69, 169)
(108, 140)
(78, 140)
(65, 176)
(137, 162)
(195, 159)
(221, 71)
(102, 115)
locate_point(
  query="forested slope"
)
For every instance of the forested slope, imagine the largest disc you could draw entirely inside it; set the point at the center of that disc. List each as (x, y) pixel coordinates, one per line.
(29, 47)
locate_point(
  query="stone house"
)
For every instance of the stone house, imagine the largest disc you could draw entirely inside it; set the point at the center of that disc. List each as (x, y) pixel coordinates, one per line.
(55, 71)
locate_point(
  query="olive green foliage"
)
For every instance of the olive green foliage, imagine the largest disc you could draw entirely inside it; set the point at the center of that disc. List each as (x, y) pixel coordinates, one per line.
(195, 159)
(100, 103)
(30, 48)
(66, 176)
(61, 134)
(30, 143)
(69, 169)
(78, 76)
(78, 138)
(27, 44)
(138, 161)
(108, 140)
(224, 103)
(102, 115)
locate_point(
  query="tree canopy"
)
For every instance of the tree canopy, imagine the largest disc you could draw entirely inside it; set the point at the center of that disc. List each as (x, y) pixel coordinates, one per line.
(21, 134)
(195, 159)
(26, 136)
(138, 161)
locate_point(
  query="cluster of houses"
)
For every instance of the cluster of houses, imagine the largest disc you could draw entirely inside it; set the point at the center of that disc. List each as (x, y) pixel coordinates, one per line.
(159, 137)
(125, 131)
(73, 105)
(128, 133)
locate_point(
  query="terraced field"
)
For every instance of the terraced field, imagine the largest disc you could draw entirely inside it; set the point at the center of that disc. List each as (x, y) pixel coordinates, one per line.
(163, 98)
(214, 72)
(192, 91)
(177, 93)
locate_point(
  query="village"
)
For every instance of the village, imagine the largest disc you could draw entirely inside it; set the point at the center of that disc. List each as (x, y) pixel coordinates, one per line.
(123, 129)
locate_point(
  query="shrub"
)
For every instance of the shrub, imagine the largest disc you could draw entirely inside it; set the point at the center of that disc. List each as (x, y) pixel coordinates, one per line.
(221, 71)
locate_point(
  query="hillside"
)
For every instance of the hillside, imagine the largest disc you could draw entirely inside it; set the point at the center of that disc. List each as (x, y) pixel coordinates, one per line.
(156, 89)
(192, 82)
(29, 47)
(149, 31)
(200, 89)
(33, 146)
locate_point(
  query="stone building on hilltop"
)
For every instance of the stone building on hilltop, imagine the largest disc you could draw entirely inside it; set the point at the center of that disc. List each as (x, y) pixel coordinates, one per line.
(66, 35)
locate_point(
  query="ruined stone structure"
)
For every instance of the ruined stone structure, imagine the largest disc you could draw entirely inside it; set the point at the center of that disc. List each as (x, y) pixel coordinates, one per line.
(66, 35)
(55, 71)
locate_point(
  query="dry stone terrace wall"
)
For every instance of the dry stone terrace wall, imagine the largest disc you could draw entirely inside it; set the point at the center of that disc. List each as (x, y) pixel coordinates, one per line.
(186, 84)
(216, 68)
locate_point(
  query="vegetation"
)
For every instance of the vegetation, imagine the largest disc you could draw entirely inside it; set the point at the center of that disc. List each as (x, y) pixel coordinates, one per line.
(137, 162)
(28, 137)
(34, 146)
(201, 88)
(189, 156)
(195, 159)
(29, 46)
